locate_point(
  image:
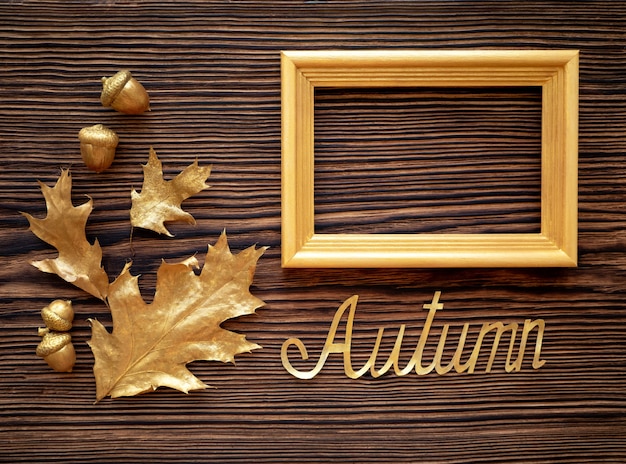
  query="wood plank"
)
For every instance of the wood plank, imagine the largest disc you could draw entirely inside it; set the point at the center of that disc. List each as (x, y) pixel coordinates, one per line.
(212, 69)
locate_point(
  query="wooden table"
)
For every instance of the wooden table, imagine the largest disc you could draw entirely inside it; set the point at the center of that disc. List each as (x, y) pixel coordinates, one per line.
(212, 69)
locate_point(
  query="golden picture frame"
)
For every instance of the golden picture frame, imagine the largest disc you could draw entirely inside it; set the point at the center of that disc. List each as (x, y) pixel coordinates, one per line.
(554, 71)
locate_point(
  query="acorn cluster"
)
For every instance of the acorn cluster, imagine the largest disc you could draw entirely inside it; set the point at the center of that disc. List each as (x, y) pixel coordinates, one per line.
(125, 94)
(56, 347)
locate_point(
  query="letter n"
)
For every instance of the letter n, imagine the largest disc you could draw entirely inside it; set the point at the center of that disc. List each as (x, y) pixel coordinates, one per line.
(529, 325)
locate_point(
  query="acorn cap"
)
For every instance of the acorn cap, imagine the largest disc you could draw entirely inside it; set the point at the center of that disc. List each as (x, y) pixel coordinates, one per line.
(52, 342)
(98, 135)
(112, 86)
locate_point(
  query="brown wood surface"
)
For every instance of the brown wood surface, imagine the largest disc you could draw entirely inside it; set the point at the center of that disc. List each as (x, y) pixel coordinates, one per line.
(212, 69)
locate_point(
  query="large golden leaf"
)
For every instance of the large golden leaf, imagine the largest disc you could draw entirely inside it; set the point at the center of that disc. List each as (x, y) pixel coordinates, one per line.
(151, 343)
(79, 262)
(159, 200)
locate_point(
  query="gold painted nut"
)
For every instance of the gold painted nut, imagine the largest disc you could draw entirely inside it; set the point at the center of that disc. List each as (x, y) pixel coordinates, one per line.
(124, 93)
(58, 315)
(57, 350)
(97, 146)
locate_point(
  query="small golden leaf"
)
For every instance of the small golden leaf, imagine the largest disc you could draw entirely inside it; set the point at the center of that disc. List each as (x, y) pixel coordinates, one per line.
(151, 344)
(79, 262)
(159, 200)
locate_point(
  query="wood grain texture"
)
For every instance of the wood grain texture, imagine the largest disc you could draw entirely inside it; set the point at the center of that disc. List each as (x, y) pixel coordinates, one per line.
(428, 160)
(212, 69)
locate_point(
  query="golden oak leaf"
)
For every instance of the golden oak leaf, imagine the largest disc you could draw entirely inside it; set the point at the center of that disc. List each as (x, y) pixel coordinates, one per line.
(159, 200)
(79, 262)
(151, 344)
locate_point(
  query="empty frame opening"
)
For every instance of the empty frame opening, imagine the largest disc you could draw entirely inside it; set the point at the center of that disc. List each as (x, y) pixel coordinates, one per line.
(427, 160)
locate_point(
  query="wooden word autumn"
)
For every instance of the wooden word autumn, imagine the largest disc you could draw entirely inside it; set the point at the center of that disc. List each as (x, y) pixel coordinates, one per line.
(416, 361)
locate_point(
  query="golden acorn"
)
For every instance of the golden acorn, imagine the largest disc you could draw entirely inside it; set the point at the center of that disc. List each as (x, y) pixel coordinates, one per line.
(57, 350)
(58, 315)
(124, 93)
(97, 146)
